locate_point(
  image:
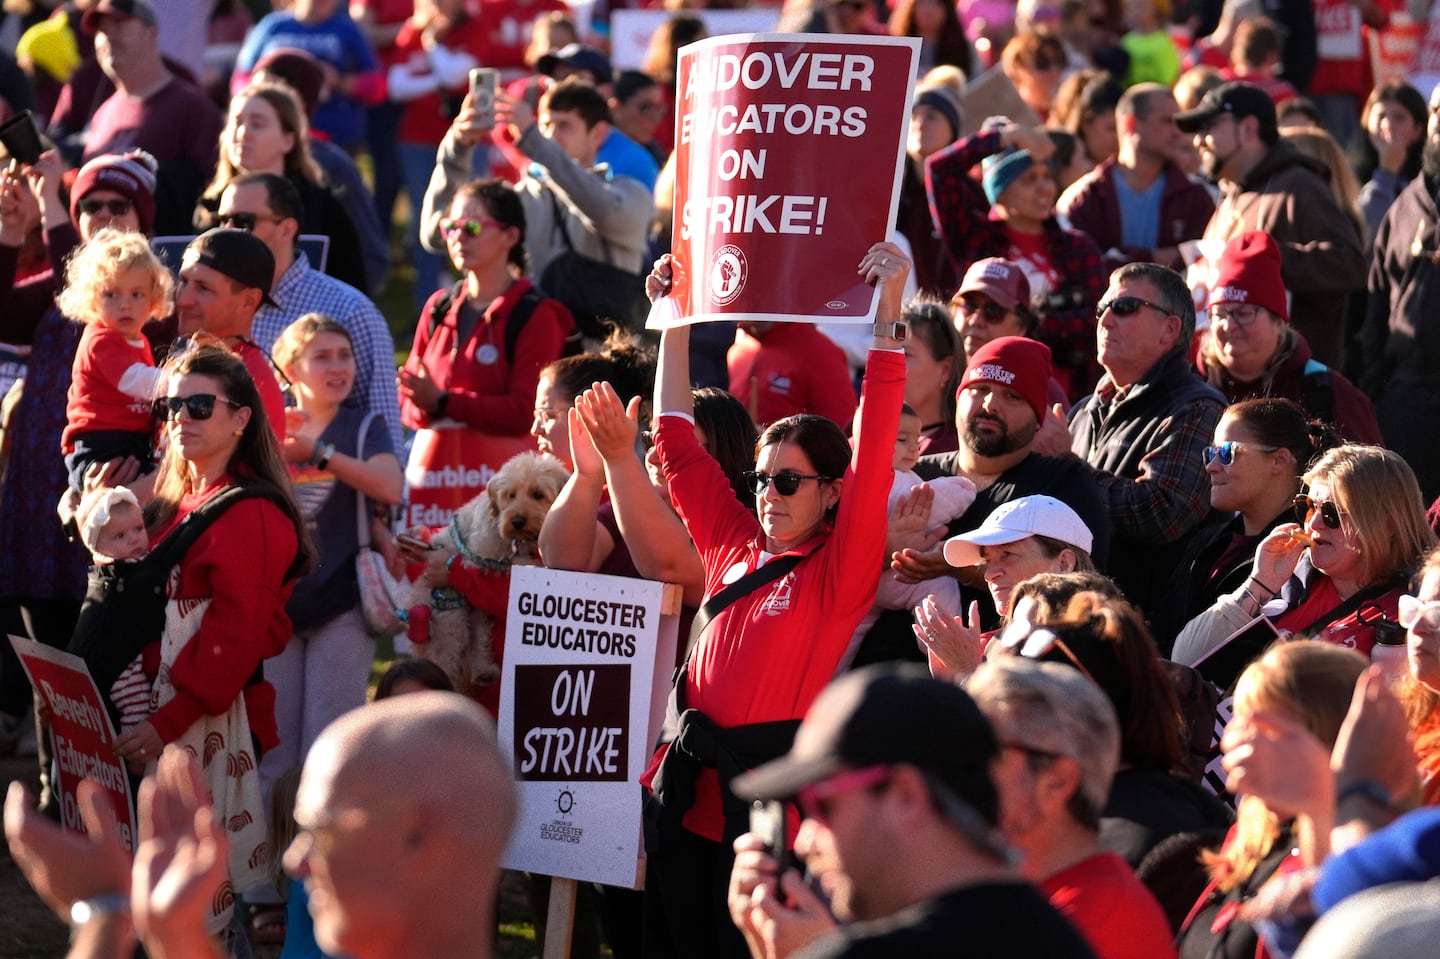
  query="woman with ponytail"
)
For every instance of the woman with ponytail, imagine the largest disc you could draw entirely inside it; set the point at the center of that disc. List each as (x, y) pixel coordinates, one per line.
(467, 365)
(1260, 449)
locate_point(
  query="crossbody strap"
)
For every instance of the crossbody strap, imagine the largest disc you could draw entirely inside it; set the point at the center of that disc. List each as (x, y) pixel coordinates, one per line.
(743, 586)
(565, 234)
(362, 515)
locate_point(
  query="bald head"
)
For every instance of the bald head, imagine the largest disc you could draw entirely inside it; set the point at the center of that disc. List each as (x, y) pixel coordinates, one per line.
(405, 808)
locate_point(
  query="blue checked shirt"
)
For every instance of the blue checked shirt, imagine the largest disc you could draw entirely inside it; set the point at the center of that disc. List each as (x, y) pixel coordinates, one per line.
(302, 290)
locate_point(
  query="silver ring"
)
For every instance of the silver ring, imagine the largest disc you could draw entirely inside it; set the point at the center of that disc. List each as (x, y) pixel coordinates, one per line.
(884, 261)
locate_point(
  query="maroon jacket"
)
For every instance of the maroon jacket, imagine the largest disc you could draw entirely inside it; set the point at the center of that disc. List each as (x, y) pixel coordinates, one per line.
(1349, 411)
(1092, 206)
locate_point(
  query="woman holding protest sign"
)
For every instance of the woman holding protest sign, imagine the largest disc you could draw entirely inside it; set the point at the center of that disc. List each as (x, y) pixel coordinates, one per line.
(782, 604)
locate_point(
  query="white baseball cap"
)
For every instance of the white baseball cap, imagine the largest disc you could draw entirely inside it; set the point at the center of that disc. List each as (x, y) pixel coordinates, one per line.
(1016, 520)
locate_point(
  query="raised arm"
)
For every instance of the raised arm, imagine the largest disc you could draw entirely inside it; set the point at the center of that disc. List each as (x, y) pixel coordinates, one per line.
(570, 537)
(659, 545)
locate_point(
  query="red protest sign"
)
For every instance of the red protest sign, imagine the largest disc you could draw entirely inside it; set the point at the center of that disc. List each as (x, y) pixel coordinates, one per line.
(789, 151)
(81, 737)
(449, 466)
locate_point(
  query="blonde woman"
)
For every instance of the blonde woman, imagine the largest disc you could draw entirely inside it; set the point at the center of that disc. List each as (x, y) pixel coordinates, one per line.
(1308, 683)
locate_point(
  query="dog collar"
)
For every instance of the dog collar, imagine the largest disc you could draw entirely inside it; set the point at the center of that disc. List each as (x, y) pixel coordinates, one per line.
(487, 563)
(443, 597)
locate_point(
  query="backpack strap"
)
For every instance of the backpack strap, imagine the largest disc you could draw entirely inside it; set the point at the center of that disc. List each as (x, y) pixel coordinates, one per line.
(519, 315)
(362, 517)
(172, 548)
(441, 307)
(1317, 391)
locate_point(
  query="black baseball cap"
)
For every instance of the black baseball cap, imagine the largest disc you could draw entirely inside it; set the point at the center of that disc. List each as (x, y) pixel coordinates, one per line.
(1240, 100)
(886, 715)
(240, 255)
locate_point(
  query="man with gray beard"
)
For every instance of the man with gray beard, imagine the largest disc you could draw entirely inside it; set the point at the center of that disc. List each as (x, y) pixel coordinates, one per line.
(1400, 341)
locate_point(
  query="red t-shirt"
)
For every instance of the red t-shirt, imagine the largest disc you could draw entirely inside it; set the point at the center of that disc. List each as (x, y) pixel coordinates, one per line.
(426, 119)
(95, 401)
(1032, 252)
(1118, 916)
(794, 369)
(263, 374)
(1340, 50)
(510, 25)
(1347, 631)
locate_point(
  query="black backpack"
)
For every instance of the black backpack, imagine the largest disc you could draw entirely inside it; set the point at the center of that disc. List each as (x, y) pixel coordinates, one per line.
(124, 606)
(519, 316)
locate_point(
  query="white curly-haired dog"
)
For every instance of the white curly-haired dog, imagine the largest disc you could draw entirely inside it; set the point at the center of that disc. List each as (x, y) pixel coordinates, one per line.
(495, 530)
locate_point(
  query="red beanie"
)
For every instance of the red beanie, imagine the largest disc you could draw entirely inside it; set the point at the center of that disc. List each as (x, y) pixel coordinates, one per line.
(132, 175)
(1249, 273)
(1018, 362)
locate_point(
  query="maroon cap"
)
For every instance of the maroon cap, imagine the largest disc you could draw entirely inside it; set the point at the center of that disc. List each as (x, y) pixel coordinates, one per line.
(1000, 279)
(1249, 273)
(1018, 362)
(129, 9)
(132, 175)
(299, 69)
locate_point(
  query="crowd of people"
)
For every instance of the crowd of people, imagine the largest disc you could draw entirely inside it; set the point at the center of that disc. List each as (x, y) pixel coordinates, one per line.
(1095, 590)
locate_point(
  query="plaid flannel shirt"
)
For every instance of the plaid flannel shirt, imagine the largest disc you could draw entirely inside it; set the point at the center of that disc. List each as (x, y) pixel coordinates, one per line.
(969, 231)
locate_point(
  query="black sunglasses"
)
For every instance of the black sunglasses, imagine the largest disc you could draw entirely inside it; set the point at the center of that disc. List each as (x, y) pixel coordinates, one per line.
(201, 406)
(1127, 306)
(989, 312)
(1305, 507)
(245, 221)
(787, 482)
(647, 439)
(117, 207)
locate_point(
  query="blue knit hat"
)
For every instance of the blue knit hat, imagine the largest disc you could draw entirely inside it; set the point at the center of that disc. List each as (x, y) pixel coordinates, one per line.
(1003, 169)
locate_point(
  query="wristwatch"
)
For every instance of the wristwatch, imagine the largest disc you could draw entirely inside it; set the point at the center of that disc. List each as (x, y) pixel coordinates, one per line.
(895, 331)
(110, 904)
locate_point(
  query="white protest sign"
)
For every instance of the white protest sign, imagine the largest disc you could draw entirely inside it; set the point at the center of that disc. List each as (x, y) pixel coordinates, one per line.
(586, 672)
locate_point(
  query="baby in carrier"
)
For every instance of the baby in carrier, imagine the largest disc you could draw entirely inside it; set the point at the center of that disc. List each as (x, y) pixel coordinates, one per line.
(112, 528)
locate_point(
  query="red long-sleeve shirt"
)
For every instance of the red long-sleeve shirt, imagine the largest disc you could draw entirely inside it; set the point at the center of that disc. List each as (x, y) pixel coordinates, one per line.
(497, 397)
(239, 563)
(766, 656)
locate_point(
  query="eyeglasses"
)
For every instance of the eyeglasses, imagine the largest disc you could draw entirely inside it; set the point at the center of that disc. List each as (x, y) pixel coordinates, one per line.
(647, 439)
(1127, 306)
(1305, 507)
(1225, 452)
(201, 406)
(451, 227)
(649, 107)
(246, 221)
(989, 312)
(814, 798)
(117, 207)
(787, 482)
(1413, 612)
(1239, 315)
